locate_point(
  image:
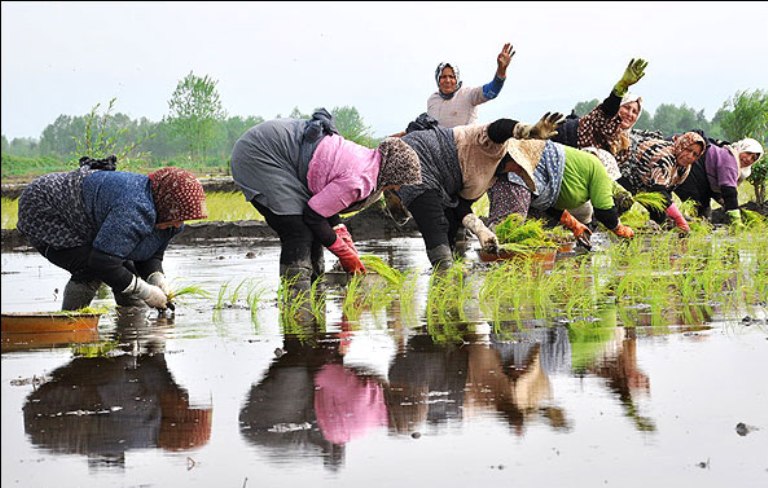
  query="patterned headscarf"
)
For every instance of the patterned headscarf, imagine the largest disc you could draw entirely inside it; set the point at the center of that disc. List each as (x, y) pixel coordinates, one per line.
(687, 140)
(440, 68)
(400, 164)
(178, 195)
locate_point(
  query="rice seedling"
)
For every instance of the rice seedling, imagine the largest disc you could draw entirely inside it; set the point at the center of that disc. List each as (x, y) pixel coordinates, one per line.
(407, 294)
(94, 350)
(651, 200)
(187, 291)
(253, 298)
(221, 296)
(87, 310)
(517, 235)
(352, 304)
(294, 304)
(448, 292)
(378, 266)
(754, 221)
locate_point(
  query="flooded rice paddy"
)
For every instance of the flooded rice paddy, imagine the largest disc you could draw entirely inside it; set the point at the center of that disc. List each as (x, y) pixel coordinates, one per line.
(229, 393)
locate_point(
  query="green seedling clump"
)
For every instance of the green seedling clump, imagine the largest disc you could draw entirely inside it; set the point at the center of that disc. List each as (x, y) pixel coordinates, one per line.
(517, 235)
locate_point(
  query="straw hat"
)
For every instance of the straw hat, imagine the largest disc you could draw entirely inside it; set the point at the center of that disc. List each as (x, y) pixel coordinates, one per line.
(525, 155)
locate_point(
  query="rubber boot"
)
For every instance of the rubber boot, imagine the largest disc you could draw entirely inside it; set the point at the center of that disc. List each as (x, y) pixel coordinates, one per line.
(440, 257)
(79, 294)
(298, 278)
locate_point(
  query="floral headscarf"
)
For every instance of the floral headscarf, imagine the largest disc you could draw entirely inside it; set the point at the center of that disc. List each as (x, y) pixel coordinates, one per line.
(400, 165)
(178, 195)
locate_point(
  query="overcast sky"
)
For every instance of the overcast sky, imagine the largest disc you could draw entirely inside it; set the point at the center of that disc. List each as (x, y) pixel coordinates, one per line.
(65, 57)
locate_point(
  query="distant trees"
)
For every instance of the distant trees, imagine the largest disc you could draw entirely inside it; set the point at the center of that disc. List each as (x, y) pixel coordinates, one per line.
(746, 115)
(195, 114)
(197, 132)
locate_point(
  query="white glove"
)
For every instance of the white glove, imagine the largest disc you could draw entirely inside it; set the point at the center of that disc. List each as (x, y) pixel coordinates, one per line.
(488, 240)
(158, 279)
(151, 294)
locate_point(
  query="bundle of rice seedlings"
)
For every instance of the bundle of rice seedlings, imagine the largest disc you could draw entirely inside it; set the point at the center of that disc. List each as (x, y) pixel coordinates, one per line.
(523, 234)
(651, 200)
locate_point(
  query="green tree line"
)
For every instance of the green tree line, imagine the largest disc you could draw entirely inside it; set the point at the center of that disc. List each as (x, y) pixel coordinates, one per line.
(198, 134)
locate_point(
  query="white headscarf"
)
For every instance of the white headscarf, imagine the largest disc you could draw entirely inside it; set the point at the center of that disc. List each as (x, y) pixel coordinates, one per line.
(748, 145)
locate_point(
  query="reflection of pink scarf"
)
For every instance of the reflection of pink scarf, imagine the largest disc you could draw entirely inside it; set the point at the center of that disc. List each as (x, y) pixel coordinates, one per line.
(347, 405)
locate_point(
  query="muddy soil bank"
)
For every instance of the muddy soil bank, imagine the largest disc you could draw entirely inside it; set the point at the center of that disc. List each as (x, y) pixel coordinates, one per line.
(371, 223)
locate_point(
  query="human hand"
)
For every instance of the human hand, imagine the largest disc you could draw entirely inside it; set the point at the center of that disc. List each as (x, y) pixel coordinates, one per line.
(674, 214)
(347, 257)
(632, 74)
(343, 234)
(503, 59)
(158, 279)
(622, 199)
(545, 127)
(622, 230)
(152, 295)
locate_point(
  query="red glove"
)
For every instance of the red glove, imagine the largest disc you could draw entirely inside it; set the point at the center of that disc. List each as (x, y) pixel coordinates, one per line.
(580, 231)
(674, 214)
(622, 230)
(347, 257)
(343, 234)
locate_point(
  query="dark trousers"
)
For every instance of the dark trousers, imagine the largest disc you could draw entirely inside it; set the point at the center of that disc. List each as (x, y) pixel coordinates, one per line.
(696, 187)
(83, 284)
(301, 253)
(438, 224)
(75, 260)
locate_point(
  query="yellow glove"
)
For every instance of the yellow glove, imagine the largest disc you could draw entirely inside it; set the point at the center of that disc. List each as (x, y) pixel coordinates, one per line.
(635, 70)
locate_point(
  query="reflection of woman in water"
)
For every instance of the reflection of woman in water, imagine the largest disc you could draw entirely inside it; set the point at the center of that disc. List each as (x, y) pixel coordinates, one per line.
(309, 401)
(105, 406)
(625, 379)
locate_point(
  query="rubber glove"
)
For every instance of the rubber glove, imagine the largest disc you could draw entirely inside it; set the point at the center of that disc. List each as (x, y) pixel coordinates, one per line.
(622, 198)
(158, 279)
(674, 214)
(151, 294)
(543, 129)
(488, 240)
(580, 231)
(635, 70)
(343, 233)
(622, 230)
(347, 257)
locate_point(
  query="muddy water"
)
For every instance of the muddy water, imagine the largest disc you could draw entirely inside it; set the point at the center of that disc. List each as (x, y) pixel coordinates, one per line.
(224, 398)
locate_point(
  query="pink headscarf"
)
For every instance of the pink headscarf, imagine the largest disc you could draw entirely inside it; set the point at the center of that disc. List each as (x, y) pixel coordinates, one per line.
(178, 195)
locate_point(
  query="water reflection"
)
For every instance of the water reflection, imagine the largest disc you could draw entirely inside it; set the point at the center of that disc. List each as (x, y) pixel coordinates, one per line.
(309, 401)
(432, 384)
(104, 406)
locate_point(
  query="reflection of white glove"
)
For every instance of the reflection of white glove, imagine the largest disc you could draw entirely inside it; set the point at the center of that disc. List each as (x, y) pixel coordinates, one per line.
(158, 279)
(151, 294)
